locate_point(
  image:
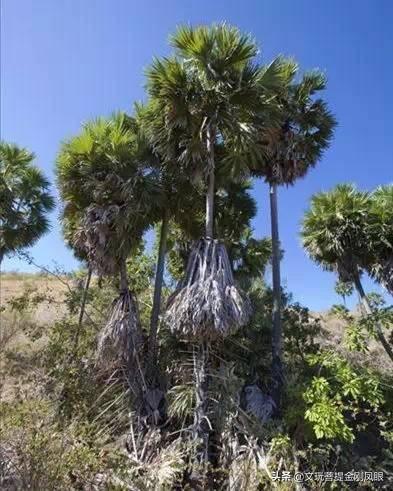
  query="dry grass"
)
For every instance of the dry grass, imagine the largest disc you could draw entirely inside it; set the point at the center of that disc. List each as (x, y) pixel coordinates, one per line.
(14, 285)
(333, 336)
(23, 331)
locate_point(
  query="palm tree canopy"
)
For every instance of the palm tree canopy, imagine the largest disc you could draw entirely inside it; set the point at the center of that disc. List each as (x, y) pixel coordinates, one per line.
(109, 190)
(25, 199)
(306, 128)
(380, 236)
(334, 232)
(211, 82)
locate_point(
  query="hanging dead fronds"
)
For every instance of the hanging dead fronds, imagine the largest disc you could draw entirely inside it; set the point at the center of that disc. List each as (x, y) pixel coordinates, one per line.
(207, 304)
(95, 235)
(121, 339)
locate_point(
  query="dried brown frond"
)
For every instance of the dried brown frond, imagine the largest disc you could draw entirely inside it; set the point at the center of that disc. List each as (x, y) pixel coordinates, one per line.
(95, 237)
(207, 304)
(121, 338)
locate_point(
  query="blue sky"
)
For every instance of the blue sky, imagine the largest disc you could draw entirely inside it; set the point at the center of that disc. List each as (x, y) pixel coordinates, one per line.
(64, 62)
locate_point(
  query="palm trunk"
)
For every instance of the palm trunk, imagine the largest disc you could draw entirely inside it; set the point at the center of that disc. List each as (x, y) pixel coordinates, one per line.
(1, 257)
(201, 422)
(210, 189)
(84, 297)
(157, 294)
(82, 310)
(368, 309)
(201, 352)
(123, 276)
(277, 341)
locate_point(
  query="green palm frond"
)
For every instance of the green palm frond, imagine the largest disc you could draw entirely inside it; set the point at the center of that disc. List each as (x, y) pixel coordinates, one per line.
(25, 199)
(333, 230)
(108, 182)
(380, 236)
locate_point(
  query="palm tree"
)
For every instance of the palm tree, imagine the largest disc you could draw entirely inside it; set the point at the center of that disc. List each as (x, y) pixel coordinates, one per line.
(288, 151)
(208, 92)
(335, 235)
(380, 237)
(25, 200)
(108, 195)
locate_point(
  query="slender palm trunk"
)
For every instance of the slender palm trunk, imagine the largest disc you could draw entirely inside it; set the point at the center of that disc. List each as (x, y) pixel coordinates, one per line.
(277, 341)
(368, 309)
(84, 296)
(201, 423)
(201, 352)
(123, 276)
(82, 310)
(157, 295)
(210, 189)
(1, 257)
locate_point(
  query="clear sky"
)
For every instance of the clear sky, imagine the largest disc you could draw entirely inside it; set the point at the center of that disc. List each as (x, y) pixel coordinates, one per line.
(65, 61)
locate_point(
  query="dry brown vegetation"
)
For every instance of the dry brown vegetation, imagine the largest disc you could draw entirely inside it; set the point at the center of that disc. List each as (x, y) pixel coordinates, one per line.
(333, 336)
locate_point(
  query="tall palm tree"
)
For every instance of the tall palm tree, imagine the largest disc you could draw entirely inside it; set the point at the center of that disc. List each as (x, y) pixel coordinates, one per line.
(335, 235)
(25, 200)
(288, 151)
(208, 95)
(380, 233)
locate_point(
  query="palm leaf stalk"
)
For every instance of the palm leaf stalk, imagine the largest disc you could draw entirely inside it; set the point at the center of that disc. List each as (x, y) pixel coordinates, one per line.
(82, 309)
(84, 296)
(158, 283)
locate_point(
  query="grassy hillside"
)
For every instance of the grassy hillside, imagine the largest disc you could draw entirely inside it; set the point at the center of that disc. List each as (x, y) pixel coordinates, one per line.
(58, 407)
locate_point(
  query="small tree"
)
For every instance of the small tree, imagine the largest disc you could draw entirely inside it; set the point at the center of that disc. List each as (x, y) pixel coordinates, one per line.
(335, 235)
(25, 200)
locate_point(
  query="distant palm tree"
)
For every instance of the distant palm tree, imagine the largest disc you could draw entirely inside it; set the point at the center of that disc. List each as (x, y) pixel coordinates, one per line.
(335, 235)
(288, 151)
(380, 237)
(25, 200)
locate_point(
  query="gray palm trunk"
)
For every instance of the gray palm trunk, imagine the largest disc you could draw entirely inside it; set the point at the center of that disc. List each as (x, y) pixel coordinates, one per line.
(1, 257)
(123, 276)
(277, 341)
(84, 296)
(368, 309)
(201, 352)
(210, 189)
(82, 310)
(158, 283)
